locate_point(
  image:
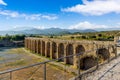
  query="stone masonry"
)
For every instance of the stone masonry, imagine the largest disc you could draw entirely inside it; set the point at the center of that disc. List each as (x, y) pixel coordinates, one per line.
(57, 48)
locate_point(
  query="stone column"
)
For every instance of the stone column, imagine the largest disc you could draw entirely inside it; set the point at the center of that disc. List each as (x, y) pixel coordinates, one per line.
(35, 45)
(39, 47)
(46, 49)
(75, 57)
(57, 55)
(43, 48)
(30, 46)
(65, 53)
(51, 50)
(25, 43)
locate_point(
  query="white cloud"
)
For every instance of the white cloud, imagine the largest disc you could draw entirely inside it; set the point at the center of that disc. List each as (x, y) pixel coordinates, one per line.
(95, 7)
(49, 17)
(14, 14)
(39, 27)
(2, 3)
(87, 25)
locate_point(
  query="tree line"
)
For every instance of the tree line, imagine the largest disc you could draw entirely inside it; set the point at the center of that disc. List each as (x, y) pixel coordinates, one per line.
(13, 37)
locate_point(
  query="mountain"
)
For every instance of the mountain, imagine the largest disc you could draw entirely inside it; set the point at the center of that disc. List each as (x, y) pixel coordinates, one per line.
(49, 31)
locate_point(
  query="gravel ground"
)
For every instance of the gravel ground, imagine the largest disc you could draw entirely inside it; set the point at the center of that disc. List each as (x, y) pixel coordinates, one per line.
(109, 71)
(17, 57)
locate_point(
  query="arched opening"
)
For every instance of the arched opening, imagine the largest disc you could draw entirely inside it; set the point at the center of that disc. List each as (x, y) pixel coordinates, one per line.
(32, 45)
(48, 49)
(28, 42)
(88, 62)
(43, 48)
(39, 47)
(103, 54)
(61, 51)
(69, 51)
(54, 50)
(35, 46)
(80, 49)
(31, 42)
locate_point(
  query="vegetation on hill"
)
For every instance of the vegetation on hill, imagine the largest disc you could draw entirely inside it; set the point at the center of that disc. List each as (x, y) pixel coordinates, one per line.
(99, 36)
(12, 37)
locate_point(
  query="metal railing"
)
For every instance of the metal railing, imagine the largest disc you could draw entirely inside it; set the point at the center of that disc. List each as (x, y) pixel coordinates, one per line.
(79, 76)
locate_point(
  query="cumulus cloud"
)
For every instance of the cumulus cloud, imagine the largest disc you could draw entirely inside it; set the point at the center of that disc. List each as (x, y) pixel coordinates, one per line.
(2, 3)
(87, 25)
(95, 7)
(14, 14)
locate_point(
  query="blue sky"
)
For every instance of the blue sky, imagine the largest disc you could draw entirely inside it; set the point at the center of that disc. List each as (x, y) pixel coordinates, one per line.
(67, 14)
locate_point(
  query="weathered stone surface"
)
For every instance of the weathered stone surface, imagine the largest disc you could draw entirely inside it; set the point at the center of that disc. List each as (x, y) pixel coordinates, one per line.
(56, 48)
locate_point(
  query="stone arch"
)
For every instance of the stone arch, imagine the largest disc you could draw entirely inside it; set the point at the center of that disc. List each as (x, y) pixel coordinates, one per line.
(103, 53)
(54, 50)
(80, 49)
(43, 48)
(87, 62)
(61, 51)
(69, 51)
(48, 49)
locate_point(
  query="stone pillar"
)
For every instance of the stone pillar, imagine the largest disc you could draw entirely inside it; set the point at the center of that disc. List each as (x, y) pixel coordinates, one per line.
(46, 49)
(25, 43)
(43, 48)
(75, 58)
(115, 50)
(35, 45)
(51, 50)
(65, 53)
(39, 47)
(57, 55)
(30, 44)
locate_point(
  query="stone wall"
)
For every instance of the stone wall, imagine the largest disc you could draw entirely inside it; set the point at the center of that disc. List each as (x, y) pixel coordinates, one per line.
(57, 48)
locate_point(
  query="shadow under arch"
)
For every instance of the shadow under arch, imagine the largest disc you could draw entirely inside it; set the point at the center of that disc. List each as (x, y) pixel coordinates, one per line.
(43, 48)
(54, 50)
(35, 46)
(48, 49)
(69, 51)
(103, 53)
(80, 49)
(39, 47)
(88, 62)
(61, 51)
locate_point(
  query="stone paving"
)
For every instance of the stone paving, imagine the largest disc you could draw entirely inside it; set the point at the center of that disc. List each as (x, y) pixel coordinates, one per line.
(109, 71)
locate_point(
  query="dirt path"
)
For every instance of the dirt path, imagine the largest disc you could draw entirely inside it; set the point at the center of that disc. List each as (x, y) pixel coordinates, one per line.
(110, 71)
(17, 57)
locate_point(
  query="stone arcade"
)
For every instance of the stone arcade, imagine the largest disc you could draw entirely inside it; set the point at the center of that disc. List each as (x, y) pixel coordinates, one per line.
(56, 48)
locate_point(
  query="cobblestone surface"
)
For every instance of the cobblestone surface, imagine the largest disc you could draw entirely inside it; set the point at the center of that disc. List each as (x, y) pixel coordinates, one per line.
(109, 71)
